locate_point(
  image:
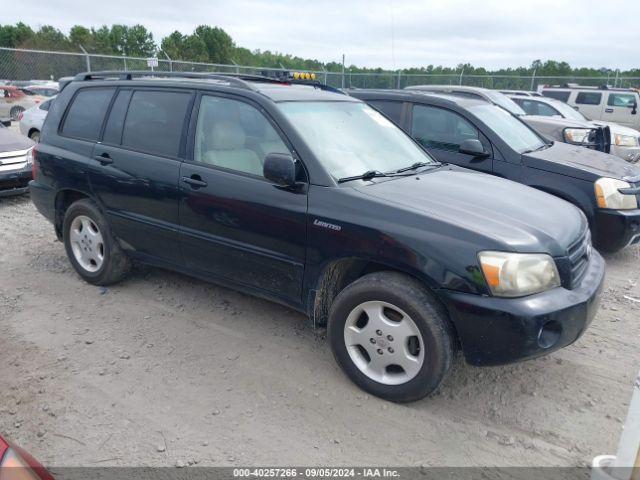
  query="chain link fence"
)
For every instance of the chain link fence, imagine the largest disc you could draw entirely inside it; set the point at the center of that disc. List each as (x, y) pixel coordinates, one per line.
(26, 65)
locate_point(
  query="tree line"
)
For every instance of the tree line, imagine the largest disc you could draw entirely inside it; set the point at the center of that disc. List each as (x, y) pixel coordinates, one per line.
(213, 45)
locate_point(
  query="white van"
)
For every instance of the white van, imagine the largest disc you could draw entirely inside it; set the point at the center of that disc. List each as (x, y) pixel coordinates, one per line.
(618, 105)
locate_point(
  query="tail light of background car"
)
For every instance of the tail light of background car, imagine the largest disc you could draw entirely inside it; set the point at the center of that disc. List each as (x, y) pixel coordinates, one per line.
(16, 464)
(32, 159)
(20, 115)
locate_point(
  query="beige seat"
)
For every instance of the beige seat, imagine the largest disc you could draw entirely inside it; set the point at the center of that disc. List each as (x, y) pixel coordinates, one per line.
(226, 148)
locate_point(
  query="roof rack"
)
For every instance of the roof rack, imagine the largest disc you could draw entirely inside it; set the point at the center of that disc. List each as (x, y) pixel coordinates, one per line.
(233, 79)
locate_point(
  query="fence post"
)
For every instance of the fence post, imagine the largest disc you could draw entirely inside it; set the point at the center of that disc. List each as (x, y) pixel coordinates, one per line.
(533, 78)
(343, 70)
(461, 73)
(124, 59)
(86, 56)
(399, 75)
(168, 58)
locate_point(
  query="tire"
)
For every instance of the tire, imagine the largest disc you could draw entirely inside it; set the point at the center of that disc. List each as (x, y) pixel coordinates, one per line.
(15, 111)
(93, 252)
(423, 346)
(35, 135)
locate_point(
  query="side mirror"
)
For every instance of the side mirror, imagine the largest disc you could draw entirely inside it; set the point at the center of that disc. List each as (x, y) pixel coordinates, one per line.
(473, 146)
(634, 108)
(280, 168)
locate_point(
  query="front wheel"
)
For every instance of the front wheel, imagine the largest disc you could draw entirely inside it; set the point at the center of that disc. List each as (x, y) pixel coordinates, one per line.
(391, 336)
(92, 251)
(35, 136)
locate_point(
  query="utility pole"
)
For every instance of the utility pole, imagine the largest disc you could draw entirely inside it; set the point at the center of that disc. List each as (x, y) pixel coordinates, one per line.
(343, 70)
(533, 78)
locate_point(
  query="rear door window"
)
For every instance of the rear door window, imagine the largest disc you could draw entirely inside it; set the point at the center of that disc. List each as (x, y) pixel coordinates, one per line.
(86, 113)
(588, 98)
(562, 96)
(155, 121)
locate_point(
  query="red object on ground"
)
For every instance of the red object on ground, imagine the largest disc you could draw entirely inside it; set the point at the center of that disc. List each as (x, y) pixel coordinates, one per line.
(17, 464)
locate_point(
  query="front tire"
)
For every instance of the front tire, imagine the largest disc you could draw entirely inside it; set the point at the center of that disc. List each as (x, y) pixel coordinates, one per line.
(391, 336)
(92, 250)
(35, 136)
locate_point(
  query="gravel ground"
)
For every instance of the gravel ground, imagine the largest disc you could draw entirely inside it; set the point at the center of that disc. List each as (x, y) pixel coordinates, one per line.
(167, 370)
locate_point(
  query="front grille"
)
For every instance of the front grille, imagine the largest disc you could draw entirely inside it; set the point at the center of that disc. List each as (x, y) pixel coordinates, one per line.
(578, 259)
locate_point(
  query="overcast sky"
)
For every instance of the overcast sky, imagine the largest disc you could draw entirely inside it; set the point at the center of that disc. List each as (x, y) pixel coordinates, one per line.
(386, 33)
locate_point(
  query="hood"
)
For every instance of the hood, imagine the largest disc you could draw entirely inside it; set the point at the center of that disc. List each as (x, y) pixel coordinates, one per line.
(580, 162)
(617, 128)
(514, 216)
(11, 141)
(556, 121)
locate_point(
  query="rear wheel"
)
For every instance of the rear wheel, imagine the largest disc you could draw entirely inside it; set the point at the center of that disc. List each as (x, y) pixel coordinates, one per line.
(391, 336)
(15, 111)
(91, 249)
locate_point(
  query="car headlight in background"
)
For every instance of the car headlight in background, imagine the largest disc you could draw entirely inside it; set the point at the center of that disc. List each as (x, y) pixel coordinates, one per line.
(29, 156)
(625, 140)
(518, 274)
(608, 196)
(579, 136)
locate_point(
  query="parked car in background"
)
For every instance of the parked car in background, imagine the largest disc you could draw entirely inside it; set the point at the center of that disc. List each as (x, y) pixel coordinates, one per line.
(31, 120)
(301, 194)
(617, 105)
(15, 162)
(625, 141)
(521, 93)
(13, 101)
(45, 90)
(557, 129)
(473, 133)
(17, 464)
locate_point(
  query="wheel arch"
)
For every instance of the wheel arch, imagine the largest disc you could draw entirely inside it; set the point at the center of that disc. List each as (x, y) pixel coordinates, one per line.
(64, 199)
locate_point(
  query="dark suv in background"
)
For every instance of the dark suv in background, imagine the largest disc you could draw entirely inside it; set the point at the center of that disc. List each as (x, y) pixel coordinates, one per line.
(303, 195)
(482, 136)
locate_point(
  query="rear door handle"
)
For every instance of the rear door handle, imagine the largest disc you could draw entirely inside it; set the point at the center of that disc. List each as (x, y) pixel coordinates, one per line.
(104, 158)
(608, 110)
(195, 181)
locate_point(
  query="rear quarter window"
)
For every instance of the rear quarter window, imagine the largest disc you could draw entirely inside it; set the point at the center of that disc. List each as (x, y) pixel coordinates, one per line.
(562, 96)
(589, 98)
(155, 121)
(85, 115)
(391, 109)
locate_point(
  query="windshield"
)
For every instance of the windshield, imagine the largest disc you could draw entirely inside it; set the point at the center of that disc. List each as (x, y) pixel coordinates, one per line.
(505, 102)
(509, 128)
(567, 112)
(351, 138)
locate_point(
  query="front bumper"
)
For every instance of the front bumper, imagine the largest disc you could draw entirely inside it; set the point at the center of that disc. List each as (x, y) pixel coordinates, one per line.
(15, 182)
(630, 154)
(495, 331)
(616, 229)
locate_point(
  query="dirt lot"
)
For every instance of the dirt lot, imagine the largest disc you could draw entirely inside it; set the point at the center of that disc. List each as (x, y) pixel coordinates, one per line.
(167, 370)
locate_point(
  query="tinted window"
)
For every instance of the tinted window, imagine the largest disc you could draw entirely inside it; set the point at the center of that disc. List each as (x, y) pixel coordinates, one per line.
(540, 108)
(234, 135)
(115, 122)
(154, 122)
(439, 128)
(393, 110)
(562, 96)
(589, 98)
(621, 100)
(88, 108)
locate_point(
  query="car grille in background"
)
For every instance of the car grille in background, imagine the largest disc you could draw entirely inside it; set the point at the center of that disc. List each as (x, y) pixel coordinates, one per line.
(578, 259)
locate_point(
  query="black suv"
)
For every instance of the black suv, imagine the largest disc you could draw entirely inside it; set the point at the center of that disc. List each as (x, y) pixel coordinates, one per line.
(306, 196)
(476, 134)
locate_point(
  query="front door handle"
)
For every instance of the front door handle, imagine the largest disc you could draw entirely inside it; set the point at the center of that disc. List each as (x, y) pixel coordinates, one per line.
(104, 158)
(195, 181)
(608, 110)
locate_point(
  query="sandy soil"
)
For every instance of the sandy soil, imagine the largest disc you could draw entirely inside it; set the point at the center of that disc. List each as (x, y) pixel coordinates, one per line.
(167, 370)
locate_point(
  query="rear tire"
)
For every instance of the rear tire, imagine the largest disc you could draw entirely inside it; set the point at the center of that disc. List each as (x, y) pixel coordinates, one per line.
(35, 136)
(391, 336)
(93, 252)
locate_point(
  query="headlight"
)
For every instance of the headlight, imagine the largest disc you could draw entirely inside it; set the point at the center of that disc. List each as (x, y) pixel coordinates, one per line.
(29, 156)
(518, 274)
(625, 140)
(608, 196)
(578, 135)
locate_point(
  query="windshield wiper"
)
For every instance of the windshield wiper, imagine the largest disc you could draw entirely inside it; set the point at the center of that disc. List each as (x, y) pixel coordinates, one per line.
(541, 147)
(368, 175)
(415, 166)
